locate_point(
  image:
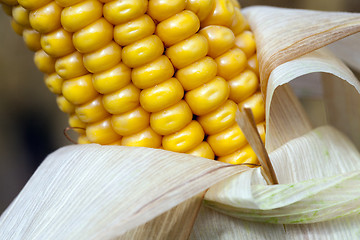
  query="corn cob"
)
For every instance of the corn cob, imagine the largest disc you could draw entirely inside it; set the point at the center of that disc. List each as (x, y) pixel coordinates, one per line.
(161, 74)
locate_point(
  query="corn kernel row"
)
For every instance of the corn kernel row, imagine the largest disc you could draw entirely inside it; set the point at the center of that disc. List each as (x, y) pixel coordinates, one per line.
(156, 73)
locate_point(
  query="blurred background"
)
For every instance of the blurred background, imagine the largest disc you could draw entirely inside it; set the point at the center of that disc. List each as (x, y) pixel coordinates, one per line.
(31, 126)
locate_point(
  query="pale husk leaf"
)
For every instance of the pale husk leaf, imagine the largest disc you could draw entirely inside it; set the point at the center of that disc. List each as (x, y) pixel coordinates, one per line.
(100, 192)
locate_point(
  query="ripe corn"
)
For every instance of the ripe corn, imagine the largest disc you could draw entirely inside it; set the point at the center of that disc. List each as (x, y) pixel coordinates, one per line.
(167, 74)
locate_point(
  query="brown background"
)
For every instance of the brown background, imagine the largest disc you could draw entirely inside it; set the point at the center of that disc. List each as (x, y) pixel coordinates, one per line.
(30, 123)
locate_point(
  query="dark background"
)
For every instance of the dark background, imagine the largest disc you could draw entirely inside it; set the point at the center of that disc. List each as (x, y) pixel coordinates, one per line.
(31, 126)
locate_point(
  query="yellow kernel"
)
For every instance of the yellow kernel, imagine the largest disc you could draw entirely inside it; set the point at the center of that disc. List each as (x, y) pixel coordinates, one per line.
(134, 30)
(152, 73)
(113, 79)
(130, 122)
(227, 141)
(79, 90)
(123, 100)
(178, 27)
(161, 10)
(243, 155)
(220, 119)
(21, 15)
(261, 130)
(33, 4)
(185, 139)
(231, 63)
(57, 43)
(246, 42)
(188, 51)
(222, 14)
(257, 106)
(44, 62)
(144, 138)
(54, 83)
(197, 74)
(103, 59)
(220, 39)
(64, 105)
(202, 150)
(18, 29)
(171, 119)
(208, 97)
(82, 139)
(253, 64)
(92, 111)
(94, 36)
(7, 8)
(202, 8)
(101, 132)
(32, 39)
(70, 66)
(117, 142)
(235, 3)
(239, 23)
(76, 17)
(67, 3)
(243, 85)
(162, 95)
(46, 19)
(120, 11)
(76, 123)
(142, 51)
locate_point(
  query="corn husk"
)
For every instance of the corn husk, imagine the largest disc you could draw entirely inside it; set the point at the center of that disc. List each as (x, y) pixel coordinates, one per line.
(103, 192)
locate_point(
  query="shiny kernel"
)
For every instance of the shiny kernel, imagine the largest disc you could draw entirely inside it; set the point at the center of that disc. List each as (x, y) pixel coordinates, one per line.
(18, 29)
(101, 132)
(7, 8)
(231, 63)
(202, 8)
(184, 140)
(76, 123)
(257, 106)
(227, 141)
(152, 73)
(223, 14)
(57, 43)
(243, 85)
(33, 4)
(78, 16)
(103, 59)
(130, 122)
(239, 23)
(161, 10)
(253, 64)
(162, 95)
(178, 27)
(113, 79)
(82, 139)
(142, 51)
(64, 105)
(122, 100)
(79, 90)
(220, 119)
(117, 142)
(44, 62)
(171, 119)
(120, 11)
(21, 15)
(202, 150)
(134, 30)
(94, 36)
(144, 138)
(47, 18)
(32, 39)
(246, 42)
(220, 39)
(208, 97)
(54, 83)
(243, 155)
(67, 3)
(188, 51)
(197, 74)
(70, 66)
(92, 111)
